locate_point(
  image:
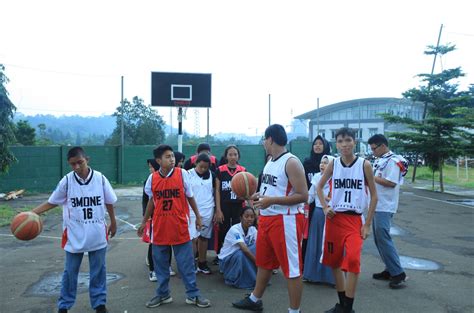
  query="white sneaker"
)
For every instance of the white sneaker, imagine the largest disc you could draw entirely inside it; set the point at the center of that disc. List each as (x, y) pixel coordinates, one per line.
(172, 273)
(152, 276)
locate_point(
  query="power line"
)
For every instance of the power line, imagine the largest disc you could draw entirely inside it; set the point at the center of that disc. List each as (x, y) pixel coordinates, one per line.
(59, 72)
(58, 110)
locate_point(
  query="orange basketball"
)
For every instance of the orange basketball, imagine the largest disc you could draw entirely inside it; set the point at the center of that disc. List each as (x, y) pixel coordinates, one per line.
(26, 225)
(243, 184)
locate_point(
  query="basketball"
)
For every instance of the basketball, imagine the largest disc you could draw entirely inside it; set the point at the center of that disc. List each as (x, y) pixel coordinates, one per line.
(26, 225)
(243, 184)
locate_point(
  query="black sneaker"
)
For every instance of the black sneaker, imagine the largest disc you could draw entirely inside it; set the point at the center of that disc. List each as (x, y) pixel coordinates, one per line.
(247, 304)
(338, 308)
(157, 301)
(381, 276)
(200, 302)
(203, 268)
(398, 281)
(215, 261)
(62, 310)
(101, 309)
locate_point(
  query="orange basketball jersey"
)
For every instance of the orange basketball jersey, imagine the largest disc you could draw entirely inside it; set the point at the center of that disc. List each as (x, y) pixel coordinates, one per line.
(170, 216)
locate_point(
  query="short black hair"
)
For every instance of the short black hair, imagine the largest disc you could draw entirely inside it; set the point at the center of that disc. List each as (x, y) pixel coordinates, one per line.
(158, 152)
(153, 163)
(203, 146)
(278, 134)
(179, 156)
(378, 139)
(76, 152)
(345, 131)
(203, 157)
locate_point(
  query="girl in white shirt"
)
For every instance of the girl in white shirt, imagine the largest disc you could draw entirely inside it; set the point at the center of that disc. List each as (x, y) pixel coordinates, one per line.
(314, 271)
(237, 256)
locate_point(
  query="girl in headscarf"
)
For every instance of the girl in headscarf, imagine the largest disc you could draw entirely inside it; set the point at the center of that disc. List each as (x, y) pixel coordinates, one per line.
(314, 271)
(319, 148)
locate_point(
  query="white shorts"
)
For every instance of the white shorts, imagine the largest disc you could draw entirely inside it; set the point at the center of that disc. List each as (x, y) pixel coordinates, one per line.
(193, 232)
(206, 229)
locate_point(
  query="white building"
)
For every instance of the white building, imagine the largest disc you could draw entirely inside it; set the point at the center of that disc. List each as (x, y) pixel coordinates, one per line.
(362, 115)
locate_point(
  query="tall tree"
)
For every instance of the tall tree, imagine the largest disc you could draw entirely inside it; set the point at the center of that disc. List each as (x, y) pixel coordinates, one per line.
(142, 125)
(444, 133)
(7, 136)
(43, 139)
(24, 133)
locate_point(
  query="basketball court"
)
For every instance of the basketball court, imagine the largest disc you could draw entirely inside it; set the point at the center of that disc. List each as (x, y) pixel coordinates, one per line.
(429, 227)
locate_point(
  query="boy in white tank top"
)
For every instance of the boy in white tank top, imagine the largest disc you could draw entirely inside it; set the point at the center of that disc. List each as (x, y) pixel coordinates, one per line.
(281, 198)
(345, 229)
(85, 195)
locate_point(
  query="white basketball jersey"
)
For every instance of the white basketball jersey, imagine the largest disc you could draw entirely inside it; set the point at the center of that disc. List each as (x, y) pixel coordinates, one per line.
(275, 183)
(84, 225)
(203, 194)
(349, 191)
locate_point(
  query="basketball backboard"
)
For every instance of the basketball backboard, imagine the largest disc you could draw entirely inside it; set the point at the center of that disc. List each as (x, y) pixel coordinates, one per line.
(180, 89)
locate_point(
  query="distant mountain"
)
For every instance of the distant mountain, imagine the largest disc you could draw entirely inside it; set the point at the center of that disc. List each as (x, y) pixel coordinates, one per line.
(75, 124)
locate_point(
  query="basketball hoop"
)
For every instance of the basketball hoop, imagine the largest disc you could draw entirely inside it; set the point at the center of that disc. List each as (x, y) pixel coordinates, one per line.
(182, 104)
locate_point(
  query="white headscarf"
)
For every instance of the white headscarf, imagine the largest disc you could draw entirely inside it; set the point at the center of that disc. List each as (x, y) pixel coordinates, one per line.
(329, 157)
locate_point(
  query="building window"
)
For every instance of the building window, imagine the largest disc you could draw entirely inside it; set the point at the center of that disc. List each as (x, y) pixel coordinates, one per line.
(358, 133)
(333, 133)
(373, 131)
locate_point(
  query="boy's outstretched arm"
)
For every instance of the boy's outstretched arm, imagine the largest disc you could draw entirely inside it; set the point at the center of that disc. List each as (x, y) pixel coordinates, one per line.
(43, 207)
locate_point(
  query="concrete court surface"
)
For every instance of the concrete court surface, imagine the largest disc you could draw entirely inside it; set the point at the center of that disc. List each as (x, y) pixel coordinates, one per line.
(432, 228)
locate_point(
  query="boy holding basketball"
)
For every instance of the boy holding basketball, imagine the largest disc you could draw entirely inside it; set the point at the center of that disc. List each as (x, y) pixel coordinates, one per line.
(345, 230)
(85, 195)
(282, 195)
(171, 196)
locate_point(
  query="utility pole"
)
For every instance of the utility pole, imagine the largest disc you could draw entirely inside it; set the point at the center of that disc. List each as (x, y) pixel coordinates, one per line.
(122, 141)
(317, 118)
(425, 108)
(269, 110)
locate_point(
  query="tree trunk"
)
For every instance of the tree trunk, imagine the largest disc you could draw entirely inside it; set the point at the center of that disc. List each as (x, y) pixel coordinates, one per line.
(414, 172)
(441, 184)
(432, 181)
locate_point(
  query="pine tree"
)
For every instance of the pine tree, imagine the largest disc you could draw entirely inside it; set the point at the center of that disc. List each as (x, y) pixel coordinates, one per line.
(444, 133)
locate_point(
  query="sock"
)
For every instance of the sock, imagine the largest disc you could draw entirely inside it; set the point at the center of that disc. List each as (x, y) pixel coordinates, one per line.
(253, 298)
(342, 297)
(293, 310)
(348, 306)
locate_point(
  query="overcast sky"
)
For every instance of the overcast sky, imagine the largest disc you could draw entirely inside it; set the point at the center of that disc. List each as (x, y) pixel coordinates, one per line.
(66, 57)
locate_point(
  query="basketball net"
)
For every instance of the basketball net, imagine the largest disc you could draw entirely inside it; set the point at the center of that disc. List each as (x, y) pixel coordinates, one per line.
(182, 104)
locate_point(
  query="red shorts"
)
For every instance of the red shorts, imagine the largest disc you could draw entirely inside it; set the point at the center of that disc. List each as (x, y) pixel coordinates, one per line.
(279, 243)
(342, 242)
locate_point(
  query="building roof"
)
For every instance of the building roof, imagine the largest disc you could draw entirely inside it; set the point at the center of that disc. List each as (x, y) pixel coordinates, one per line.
(346, 104)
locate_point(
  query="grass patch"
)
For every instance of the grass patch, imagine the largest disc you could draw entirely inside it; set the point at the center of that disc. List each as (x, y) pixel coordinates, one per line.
(449, 174)
(7, 213)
